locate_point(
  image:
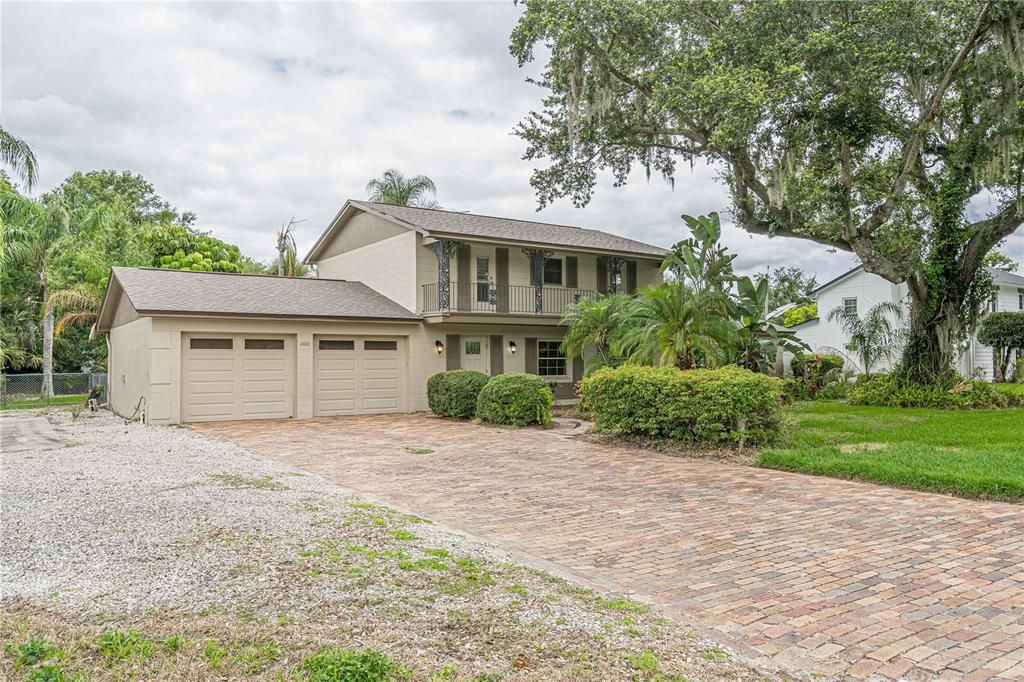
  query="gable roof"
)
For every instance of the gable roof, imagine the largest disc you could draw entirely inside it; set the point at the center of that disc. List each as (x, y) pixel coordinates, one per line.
(998, 276)
(154, 291)
(447, 224)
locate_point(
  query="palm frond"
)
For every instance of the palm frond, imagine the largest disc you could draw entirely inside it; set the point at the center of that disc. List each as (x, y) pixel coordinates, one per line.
(16, 153)
(73, 319)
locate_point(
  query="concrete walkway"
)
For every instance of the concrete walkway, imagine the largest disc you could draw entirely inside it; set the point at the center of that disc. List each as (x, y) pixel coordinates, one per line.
(27, 433)
(812, 574)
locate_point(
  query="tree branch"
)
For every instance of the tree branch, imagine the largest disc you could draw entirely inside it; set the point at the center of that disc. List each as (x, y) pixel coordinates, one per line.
(912, 150)
(989, 232)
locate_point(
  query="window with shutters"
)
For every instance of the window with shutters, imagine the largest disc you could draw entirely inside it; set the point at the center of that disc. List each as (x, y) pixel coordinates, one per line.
(553, 271)
(550, 359)
(483, 280)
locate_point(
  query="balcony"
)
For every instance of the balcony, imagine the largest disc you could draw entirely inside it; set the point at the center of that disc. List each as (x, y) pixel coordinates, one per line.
(513, 299)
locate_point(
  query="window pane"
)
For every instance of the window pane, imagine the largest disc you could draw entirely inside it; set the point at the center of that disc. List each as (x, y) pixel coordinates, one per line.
(550, 361)
(850, 306)
(380, 345)
(553, 271)
(264, 344)
(472, 348)
(337, 344)
(210, 344)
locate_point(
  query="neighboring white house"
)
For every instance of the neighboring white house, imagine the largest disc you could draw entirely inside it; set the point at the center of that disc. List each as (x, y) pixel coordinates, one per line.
(858, 290)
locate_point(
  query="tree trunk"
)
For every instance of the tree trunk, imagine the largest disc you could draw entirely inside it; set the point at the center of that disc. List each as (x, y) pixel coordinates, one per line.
(935, 334)
(280, 263)
(47, 389)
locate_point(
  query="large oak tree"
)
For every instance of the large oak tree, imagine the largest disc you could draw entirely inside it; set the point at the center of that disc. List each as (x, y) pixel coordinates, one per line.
(876, 127)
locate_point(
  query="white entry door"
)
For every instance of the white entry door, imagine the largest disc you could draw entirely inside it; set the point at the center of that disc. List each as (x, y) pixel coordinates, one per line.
(474, 353)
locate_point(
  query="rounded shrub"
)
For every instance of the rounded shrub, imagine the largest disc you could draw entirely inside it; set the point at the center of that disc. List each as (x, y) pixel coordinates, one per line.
(515, 398)
(727, 406)
(453, 394)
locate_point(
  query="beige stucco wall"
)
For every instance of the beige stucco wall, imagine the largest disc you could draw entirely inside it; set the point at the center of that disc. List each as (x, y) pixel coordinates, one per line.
(388, 266)
(129, 365)
(422, 360)
(361, 230)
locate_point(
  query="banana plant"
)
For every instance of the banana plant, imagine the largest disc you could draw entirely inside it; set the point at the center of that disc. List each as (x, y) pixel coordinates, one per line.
(759, 341)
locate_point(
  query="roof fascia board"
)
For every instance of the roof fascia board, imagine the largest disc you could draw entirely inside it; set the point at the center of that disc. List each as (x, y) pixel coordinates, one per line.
(107, 309)
(271, 316)
(838, 279)
(436, 235)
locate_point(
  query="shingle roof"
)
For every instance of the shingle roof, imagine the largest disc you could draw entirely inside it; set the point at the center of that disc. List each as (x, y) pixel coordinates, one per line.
(156, 291)
(491, 227)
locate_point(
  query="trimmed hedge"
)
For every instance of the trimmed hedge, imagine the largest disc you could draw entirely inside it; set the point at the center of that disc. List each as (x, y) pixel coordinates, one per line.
(453, 394)
(515, 398)
(728, 406)
(894, 391)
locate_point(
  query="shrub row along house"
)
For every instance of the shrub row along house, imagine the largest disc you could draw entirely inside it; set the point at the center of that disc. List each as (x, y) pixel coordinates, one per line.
(857, 291)
(401, 294)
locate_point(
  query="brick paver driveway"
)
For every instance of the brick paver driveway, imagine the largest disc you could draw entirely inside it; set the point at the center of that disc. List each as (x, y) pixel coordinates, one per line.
(814, 573)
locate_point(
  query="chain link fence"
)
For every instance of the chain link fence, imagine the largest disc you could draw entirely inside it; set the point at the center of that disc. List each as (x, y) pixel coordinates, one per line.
(26, 390)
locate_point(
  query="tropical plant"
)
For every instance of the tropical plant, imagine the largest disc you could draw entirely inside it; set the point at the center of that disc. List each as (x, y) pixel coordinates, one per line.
(394, 188)
(873, 337)
(33, 234)
(16, 154)
(80, 304)
(593, 323)
(177, 248)
(699, 260)
(871, 127)
(671, 324)
(1005, 333)
(758, 341)
(287, 261)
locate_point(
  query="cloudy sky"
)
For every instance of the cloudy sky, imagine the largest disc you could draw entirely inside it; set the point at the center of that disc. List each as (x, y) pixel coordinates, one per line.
(249, 114)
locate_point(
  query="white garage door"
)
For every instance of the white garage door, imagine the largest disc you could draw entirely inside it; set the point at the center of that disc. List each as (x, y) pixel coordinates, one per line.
(358, 375)
(237, 377)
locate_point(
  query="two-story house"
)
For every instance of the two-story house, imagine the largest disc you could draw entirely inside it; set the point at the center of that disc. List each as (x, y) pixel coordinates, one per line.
(400, 294)
(857, 291)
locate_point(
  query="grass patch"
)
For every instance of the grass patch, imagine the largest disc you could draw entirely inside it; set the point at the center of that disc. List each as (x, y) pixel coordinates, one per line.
(241, 481)
(332, 664)
(972, 453)
(1012, 389)
(623, 605)
(40, 404)
(121, 646)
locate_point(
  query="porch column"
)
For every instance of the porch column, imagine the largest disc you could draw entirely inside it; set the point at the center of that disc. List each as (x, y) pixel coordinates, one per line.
(537, 259)
(613, 266)
(444, 249)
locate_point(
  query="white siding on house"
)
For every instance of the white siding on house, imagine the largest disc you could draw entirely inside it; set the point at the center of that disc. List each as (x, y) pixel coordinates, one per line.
(129, 365)
(388, 266)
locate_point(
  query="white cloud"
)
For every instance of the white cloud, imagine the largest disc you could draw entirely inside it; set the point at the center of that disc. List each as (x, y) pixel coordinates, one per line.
(249, 114)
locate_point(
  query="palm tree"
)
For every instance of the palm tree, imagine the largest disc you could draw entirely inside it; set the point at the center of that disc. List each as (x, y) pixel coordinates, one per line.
(395, 188)
(18, 155)
(758, 340)
(671, 324)
(287, 262)
(33, 234)
(80, 303)
(872, 337)
(593, 322)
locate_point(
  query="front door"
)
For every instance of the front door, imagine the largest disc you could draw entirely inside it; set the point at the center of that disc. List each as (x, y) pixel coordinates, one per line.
(474, 353)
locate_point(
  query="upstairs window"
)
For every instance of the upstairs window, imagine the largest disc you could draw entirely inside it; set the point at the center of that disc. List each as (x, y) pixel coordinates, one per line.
(850, 306)
(1020, 299)
(553, 271)
(993, 303)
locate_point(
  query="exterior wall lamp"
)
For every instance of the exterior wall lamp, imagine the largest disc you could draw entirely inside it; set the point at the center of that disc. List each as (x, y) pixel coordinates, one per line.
(438, 346)
(512, 347)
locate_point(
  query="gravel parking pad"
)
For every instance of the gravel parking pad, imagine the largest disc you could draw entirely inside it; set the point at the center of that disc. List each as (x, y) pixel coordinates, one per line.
(156, 552)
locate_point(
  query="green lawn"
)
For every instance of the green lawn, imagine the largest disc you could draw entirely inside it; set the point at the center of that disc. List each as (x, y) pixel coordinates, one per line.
(973, 453)
(1017, 389)
(36, 403)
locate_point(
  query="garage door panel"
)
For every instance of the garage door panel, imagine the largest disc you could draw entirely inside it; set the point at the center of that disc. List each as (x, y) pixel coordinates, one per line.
(388, 384)
(358, 381)
(236, 383)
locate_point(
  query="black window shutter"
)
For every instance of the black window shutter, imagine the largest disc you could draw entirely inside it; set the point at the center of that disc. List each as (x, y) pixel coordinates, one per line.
(631, 277)
(531, 356)
(602, 276)
(571, 272)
